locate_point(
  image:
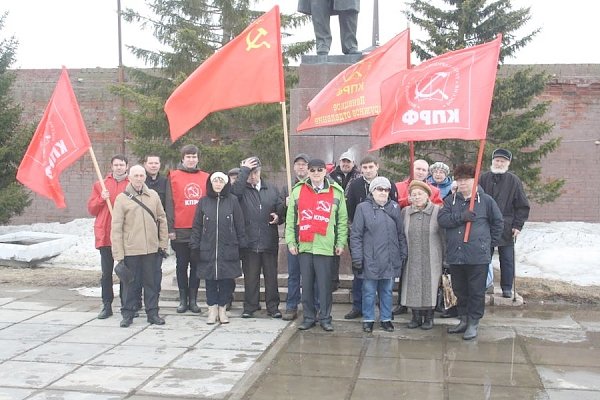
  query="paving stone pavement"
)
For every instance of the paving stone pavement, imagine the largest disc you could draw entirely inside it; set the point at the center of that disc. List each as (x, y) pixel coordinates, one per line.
(53, 347)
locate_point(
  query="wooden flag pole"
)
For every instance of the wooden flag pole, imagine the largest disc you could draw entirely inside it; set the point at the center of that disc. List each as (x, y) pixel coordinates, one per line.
(100, 178)
(474, 189)
(286, 145)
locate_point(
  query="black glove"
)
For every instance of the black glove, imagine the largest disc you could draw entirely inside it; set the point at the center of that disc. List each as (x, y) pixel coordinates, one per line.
(468, 215)
(357, 267)
(162, 253)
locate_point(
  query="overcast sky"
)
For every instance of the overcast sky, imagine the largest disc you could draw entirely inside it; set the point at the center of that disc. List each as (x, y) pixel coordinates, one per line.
(83, 33)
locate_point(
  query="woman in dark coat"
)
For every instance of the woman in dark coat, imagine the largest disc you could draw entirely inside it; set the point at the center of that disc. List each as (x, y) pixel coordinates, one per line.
(378, 248)
(218, 234)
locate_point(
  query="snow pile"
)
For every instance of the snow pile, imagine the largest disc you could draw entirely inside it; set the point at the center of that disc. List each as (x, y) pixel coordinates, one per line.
(564, 251)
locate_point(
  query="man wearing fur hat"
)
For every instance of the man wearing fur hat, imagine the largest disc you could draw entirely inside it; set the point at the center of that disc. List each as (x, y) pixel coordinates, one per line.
(468, 263)
(507, 189)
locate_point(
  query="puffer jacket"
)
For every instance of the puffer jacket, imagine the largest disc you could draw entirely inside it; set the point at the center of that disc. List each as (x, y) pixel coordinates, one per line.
(486, 229)
(218, 234)
(134, 232)
(377, 239)
(257, 205)
(99, 209)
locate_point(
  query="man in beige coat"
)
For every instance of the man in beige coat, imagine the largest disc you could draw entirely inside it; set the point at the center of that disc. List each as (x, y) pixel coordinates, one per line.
(138, 238)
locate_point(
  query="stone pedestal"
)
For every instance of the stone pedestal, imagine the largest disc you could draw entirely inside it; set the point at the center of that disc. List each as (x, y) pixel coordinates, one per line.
(327, 143)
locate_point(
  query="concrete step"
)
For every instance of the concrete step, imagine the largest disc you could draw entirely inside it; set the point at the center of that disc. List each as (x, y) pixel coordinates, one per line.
(169, 290)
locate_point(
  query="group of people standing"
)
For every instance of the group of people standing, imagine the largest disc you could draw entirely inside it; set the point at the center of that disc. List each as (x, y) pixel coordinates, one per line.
(405, 231)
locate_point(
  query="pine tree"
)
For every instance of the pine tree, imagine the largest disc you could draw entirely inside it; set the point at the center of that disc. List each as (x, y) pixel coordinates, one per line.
(191, 31)
(516, 119)
(13, 139)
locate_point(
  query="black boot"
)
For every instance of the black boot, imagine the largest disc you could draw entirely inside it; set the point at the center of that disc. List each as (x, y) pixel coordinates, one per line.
(416, 321)
(471, 331)
(193, 298)
(461, 327)
(427, 320)
(451, 312)
(183, 301)
(106, 311)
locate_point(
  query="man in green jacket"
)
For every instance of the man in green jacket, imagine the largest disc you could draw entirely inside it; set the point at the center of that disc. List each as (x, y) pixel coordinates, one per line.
(316, 229)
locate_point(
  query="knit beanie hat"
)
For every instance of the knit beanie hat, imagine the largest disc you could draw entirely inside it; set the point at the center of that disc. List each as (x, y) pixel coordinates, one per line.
(379, 182)
(439, 165)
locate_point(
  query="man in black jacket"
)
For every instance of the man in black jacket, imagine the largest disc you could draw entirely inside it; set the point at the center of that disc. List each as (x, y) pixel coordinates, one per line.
(154, 180)
(469, 261)
(261, 204)
(506, 188)
(346, 171)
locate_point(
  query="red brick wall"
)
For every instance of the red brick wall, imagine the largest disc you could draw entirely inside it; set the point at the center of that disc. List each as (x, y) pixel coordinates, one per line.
(575, 110)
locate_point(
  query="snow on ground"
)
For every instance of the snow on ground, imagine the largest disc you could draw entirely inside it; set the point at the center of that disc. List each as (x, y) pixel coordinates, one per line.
(565, 251)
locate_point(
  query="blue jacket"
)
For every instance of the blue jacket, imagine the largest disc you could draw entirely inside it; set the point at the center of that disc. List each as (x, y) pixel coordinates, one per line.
(377, 239)
(486, 230)
(444, 187)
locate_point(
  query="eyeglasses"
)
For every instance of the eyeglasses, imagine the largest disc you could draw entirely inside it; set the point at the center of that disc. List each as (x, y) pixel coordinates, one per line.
(380, 189)
(317, 169)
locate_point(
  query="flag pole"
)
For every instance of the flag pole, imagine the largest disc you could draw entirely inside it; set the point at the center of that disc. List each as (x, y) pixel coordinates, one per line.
(474, 189)
(100, 178)
(286, 145)
(411, 151)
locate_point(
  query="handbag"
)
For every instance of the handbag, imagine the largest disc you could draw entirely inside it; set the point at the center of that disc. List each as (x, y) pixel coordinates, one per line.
(449, 297)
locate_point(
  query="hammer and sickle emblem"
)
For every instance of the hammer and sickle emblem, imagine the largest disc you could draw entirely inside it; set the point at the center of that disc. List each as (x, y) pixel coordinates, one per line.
(252, 43)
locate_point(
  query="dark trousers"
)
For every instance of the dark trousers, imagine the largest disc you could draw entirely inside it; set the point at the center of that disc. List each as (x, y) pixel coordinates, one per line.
(143, 266)
(183, 260)
(219, 291)
(316, 268)
(321, 15)
(468, 284)
(506, 254)
(252, 265)
(107, 263)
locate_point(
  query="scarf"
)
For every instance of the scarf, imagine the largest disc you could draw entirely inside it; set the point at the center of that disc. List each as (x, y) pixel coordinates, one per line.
(314, 210)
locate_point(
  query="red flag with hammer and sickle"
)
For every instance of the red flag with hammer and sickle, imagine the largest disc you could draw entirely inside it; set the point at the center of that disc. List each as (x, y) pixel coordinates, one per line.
(355, 92)
(446, 97)
(59, 140)
(247, 70)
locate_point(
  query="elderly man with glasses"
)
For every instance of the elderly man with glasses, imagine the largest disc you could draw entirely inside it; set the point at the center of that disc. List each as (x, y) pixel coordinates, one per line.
(316, 230)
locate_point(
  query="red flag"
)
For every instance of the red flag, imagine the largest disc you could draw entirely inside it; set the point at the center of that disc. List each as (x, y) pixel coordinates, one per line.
(446, 97)
(355, 92)
(247, 70)
(59, 140)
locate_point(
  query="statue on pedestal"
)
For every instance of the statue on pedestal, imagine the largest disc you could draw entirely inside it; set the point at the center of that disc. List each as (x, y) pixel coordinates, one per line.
(321, 11)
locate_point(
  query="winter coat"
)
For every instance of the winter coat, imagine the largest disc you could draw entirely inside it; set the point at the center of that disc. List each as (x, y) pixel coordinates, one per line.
(423, 269)
(257, 205)
(377, 239)
(99, 209)
(218, 234)
(134, 232)
(445, 187)
(508, 192)
(358, 191)
(159, 185)
(338, 5)
(486, 229)
(337, 228)
(344, 179)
